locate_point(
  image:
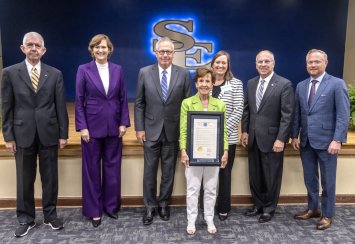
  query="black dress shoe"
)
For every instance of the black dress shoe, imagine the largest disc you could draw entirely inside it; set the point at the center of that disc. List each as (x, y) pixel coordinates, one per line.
(148, 216)
(164, 213)
(222, 217)
(96, 222)
(266, 217)
(253, 211)
(112, 215)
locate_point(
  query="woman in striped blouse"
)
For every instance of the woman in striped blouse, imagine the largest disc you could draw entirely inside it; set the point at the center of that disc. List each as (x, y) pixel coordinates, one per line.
(230, 90)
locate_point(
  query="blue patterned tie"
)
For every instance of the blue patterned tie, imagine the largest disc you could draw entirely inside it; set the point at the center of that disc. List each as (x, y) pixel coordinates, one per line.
(312, 93)
(164, 85)
(259, 94)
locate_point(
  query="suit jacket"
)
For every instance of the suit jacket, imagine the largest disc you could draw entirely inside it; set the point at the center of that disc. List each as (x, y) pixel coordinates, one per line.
(328, 117)
(24, 111)
(273, 120)
(151, 113)
(95, 110)
(194, 104)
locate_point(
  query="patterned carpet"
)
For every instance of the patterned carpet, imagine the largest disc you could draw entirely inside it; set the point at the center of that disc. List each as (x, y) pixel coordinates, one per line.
(236, 229)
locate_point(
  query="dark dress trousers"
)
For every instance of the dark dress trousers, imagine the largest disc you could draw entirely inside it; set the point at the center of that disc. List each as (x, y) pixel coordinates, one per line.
(160, 121)
(36, 122)
(101, 114)
(272, 121)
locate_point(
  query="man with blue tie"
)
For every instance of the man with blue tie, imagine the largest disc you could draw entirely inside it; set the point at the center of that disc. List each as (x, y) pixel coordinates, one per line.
(321, 120)
(160, 90)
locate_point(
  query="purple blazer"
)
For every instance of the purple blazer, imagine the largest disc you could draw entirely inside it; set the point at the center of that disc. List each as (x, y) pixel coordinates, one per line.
(101, 114)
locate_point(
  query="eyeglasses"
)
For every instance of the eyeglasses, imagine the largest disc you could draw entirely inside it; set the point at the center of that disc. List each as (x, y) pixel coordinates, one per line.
(266, 61)
(162, 52)
(316, 62)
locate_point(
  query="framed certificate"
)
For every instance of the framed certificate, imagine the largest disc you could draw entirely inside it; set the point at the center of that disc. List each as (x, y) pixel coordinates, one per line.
(205, 138)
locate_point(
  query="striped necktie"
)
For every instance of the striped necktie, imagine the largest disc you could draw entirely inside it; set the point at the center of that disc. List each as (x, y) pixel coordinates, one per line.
(259, 94)
(164, 85)
(34, 78)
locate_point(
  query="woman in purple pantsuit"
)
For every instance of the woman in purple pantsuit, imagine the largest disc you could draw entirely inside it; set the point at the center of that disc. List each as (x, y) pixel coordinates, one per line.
(101, 116)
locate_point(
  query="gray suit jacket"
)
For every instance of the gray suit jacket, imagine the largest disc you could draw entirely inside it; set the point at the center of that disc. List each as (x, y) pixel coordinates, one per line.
(151, 113)
(24, 112)
(328, 117)
(273, 120)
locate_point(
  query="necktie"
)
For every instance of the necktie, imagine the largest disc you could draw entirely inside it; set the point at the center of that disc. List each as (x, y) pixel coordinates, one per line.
(312, 93)
(164, 85)
(259, 94)
(34, 78)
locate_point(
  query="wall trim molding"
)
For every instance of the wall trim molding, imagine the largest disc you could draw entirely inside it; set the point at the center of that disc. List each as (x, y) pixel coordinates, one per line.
(137, 201)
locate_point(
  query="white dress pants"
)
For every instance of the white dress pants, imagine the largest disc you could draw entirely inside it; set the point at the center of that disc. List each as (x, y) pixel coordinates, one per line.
(194, 176)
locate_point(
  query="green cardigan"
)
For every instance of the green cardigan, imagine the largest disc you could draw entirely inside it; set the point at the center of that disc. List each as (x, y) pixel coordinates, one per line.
(194, 104)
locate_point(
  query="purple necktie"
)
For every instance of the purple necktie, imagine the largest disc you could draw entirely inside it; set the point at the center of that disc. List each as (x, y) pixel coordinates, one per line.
(312, 93)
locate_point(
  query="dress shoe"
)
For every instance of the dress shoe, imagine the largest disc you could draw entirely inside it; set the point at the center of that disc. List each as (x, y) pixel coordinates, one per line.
(96, 222)
(148, 216)
(324, 223)
(112, 215)
(222, 216)
(266, 217)
(253, 211)
(307, 214)
(164, 213)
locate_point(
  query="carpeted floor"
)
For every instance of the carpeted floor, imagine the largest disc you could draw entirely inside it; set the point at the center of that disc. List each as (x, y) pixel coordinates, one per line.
(236, 229)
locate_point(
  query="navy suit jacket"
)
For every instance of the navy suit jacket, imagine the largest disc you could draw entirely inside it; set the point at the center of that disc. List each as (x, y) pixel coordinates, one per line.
(328, 117)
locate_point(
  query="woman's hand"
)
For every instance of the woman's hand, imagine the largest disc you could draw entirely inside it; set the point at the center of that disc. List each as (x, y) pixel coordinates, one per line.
(224, 159)
(85, 135)
(122, 131)
(184, 158)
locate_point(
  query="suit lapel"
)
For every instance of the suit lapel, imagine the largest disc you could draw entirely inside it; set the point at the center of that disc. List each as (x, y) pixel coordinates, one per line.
(43, 76)
(94, 75)
(113, 80)
(319, 91)
(23, 73)
(173, 80)
(156, 80)
(269, 89)
(253, 86)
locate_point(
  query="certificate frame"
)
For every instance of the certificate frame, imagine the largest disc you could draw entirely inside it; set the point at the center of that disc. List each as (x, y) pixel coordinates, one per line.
(208, 152)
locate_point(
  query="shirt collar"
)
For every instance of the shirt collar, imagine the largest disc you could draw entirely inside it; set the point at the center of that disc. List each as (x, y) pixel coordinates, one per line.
(168, 70)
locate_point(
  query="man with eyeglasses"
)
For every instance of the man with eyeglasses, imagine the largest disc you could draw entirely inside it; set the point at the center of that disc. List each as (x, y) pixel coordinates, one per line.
(160, 90)
(322, 111)
(266, 125)
(34, 123)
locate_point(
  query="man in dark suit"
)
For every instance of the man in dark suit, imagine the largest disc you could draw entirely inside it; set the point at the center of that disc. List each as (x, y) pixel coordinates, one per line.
(160, 90)
(266, 124)
(322, 111)
(34, 122)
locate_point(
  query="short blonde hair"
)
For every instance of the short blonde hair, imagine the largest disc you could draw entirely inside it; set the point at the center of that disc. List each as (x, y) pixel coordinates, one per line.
(96, 41)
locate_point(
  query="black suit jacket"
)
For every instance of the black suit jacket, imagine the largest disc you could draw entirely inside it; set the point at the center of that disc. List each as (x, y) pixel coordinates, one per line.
(24, 111)
(273, 120)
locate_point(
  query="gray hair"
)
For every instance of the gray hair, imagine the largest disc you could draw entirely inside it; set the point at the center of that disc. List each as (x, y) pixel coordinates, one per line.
(267, 51)
(32, 34)
(164, 39)
(325, 56)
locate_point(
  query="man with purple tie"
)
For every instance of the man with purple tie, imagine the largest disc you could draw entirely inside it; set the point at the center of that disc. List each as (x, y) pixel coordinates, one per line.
(101, 116)
(321, 120)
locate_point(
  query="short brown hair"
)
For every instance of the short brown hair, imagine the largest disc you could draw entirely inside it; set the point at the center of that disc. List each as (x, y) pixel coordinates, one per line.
(96, 41)
(202, 71)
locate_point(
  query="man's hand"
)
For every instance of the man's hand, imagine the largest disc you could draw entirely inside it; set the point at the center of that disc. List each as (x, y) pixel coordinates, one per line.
(244, 139)
(85, 135)
(334, 147)
(295, 144)
(278, 146)
(122, 131)
(140, 136)
(63, 143)
(224, 159)
(184, 158)
(11, 146)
